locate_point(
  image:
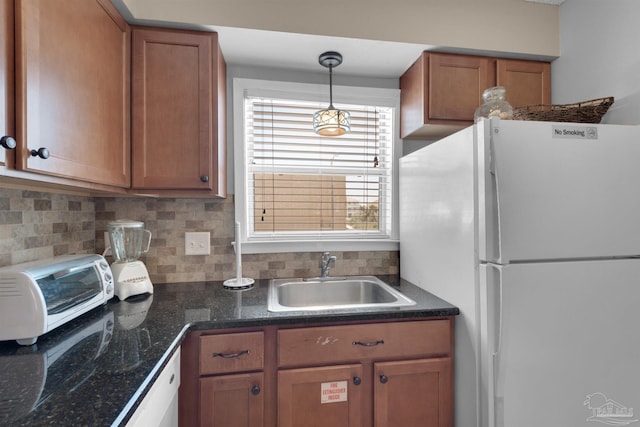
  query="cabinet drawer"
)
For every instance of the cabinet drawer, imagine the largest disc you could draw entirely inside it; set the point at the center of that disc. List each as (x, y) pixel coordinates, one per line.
(231, 352)
(335, 344)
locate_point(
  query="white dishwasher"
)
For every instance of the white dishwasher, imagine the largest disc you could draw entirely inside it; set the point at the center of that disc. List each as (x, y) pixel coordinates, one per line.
(160, 406)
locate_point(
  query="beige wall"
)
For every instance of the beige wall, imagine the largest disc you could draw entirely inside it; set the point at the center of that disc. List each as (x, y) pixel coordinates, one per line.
(514, 26)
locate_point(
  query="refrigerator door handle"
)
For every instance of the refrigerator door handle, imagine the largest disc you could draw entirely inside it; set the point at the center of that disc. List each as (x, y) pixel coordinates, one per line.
(495, 291)
(490, 236)
(498, 350)
(492, 163)
(495, 189)
(491, 331)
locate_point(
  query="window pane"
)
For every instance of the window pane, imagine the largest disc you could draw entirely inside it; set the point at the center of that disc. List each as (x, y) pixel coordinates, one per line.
(300, 183)
(290, 202)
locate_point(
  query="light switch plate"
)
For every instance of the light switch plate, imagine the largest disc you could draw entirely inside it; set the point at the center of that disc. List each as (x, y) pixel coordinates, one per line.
(197, 243)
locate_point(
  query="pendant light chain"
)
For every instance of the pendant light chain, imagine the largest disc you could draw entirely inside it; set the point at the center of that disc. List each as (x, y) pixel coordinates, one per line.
(331, 107)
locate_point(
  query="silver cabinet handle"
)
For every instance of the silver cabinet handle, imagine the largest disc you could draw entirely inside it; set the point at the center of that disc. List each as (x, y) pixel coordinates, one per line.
(230, 355)
(368, 344)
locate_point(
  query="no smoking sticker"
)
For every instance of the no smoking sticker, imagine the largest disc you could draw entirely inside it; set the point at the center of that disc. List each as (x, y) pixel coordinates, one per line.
(333, 392)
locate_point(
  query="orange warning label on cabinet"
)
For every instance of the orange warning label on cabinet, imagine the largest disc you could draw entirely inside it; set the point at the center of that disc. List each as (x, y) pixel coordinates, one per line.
(333, 392)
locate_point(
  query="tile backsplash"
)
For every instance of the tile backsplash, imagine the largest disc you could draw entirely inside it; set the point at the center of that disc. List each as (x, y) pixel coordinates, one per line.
(35, 225)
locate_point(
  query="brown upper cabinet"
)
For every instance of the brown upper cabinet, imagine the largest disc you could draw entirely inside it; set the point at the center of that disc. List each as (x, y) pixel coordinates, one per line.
(440, 92)
(7, 120)
(179, 82)
(72, 93)
(526, 82)
(69, 94)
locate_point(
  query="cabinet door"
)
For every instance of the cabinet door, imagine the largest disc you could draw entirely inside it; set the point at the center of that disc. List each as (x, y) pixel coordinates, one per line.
(232, 401)
(440, 92)
(415, 393)
(526, 82)
(456, 83)
(321, 397)
(72, 92)
(7, 120)
(177, 76)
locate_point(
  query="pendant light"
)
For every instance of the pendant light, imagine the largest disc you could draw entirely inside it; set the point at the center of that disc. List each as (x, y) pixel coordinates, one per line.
(331, 121)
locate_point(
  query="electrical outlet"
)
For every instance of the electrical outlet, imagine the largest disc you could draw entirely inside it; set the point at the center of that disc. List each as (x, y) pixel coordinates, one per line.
(197, 243)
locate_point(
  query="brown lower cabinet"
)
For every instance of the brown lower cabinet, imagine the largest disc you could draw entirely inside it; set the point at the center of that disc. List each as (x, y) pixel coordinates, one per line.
(232, 400)
(325, 396)
(413, 393)
(382, 374)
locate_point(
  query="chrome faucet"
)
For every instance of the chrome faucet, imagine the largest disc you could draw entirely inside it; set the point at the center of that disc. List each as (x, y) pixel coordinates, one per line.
(325, 264)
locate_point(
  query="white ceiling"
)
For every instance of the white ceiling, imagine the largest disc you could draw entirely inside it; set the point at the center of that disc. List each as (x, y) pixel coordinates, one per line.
(367, 58)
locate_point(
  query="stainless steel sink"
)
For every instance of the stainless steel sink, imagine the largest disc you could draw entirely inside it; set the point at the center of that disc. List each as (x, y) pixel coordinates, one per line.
(333, 293)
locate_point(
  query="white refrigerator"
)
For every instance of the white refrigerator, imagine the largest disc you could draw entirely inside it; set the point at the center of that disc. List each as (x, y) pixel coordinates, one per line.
(533, 230)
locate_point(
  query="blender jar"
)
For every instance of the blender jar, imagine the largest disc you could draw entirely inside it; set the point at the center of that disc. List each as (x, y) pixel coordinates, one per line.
(127, 239)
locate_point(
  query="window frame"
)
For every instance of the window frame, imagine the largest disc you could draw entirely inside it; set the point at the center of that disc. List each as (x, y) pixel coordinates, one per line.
(309, 92)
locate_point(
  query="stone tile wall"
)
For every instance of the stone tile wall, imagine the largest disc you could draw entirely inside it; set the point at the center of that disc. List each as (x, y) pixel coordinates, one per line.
(169, 219)
(36, 225)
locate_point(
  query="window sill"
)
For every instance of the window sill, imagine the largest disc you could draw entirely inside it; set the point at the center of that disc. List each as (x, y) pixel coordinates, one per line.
(281, 246)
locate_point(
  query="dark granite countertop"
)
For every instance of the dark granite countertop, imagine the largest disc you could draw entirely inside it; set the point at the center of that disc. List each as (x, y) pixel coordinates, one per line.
(95, 370)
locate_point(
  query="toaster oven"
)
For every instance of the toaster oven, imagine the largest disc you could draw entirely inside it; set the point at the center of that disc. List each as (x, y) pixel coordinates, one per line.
(37, 297)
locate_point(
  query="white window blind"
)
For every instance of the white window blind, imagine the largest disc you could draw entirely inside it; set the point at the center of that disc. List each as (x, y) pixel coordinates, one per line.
(302, 185)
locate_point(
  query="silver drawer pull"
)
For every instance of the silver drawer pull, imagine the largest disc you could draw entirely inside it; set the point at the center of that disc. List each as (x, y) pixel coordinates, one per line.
(230, 355)
(368, 344)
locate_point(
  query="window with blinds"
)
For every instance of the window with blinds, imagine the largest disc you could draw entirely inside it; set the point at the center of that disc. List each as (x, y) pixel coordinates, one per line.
(300, 183)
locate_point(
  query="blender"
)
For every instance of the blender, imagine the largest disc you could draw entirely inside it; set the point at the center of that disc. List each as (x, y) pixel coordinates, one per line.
(127, 242)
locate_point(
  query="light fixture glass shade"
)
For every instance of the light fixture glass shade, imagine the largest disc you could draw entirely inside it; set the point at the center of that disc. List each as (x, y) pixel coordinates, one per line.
(331, 122)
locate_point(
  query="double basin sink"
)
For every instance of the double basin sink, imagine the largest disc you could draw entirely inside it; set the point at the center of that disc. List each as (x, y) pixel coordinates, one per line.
(330, 293)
